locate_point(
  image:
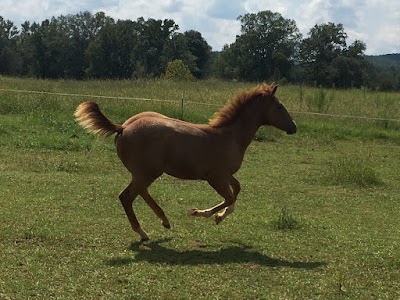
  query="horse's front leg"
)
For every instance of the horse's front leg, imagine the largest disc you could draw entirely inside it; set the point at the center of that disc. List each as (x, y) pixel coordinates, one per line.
(223, 214)
(222, 186)
(235, 185)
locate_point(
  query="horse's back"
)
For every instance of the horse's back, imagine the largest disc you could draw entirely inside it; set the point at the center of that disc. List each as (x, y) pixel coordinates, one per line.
(146, 114)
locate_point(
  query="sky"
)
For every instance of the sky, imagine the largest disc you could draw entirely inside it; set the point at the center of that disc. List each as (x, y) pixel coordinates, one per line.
(375, 22)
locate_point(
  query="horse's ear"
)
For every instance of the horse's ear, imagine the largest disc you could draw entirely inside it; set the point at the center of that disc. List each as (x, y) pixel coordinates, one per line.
(275, 87)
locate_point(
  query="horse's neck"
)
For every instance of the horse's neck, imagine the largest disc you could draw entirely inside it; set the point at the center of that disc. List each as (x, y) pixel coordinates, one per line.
(245, 128)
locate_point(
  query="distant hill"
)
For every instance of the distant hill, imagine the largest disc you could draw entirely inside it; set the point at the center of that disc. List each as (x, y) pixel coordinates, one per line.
(387, 71)
(386, 61)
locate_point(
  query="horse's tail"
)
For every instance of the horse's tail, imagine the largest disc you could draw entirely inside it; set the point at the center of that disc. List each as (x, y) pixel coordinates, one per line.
(89, 116)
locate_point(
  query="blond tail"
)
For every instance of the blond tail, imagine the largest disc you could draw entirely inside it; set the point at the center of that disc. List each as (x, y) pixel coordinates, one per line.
(89, 116)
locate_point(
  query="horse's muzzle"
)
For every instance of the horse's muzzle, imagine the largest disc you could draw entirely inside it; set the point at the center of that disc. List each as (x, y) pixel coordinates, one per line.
(292, 129)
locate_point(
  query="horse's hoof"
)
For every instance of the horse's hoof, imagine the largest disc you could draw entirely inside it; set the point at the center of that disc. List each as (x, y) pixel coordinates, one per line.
(192, 211)
(218, 219)
(166, 225)
(144, 239)
(140, 242)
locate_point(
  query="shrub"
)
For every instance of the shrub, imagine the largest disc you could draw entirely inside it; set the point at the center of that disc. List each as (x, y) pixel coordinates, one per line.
(286, 220)
(320, 101)
(177, 70)
(354, 171)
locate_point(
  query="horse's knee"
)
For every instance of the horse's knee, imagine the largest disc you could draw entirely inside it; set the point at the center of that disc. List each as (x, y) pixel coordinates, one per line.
(127, 196)
(124, 196)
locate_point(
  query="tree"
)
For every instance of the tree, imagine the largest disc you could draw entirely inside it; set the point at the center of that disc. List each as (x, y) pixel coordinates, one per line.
(95, 60)
(110, 54)
(357, 49)
(81, 29)
(328, 61)
(225, 63)
(200, 49)
(54, 48)
(133, 49)
(389, 79)
(191, 48)
(266, 47)
(148, 53)
(324, 44)
(10, 60)
(176, 48)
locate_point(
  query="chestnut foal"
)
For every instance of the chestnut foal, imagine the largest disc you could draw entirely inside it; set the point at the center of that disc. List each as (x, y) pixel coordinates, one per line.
(150, 144)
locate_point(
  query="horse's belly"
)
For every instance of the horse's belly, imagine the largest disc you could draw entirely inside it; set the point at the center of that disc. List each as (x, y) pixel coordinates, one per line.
(185, 170)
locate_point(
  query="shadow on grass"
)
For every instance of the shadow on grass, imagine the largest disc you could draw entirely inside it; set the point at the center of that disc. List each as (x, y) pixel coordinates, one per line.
(154, 252)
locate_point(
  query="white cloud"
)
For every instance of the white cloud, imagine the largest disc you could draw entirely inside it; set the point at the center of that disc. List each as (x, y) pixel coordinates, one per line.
(227, 9)
(224, 32)
(374, 22)
(379, 27)
(254, 6)
(19, 11)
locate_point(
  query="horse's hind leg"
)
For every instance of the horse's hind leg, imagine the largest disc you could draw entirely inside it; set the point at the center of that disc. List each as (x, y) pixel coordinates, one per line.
(126, 198)
(156, 208)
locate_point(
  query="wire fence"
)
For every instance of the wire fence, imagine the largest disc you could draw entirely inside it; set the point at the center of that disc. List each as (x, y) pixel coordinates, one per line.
(182, 102)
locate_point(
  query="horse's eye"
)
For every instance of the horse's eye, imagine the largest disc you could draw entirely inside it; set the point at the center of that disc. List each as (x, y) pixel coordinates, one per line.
(280, 106)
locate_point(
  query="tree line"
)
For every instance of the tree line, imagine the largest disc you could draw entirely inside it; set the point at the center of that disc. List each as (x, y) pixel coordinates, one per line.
(96, 46)
(270, 47)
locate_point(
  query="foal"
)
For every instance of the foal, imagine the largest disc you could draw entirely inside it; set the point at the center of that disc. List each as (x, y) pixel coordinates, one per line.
(150, 144)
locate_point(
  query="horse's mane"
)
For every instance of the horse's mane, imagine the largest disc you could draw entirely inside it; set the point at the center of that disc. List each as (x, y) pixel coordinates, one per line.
(229, 113)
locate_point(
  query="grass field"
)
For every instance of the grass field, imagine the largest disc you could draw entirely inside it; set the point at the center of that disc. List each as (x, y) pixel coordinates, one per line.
(317, 218)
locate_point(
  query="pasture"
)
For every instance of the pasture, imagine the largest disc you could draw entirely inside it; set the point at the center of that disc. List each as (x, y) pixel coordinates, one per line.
(317, 218)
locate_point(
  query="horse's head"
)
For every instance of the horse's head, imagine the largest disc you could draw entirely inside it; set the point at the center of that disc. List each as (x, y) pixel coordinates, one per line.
(275, 114)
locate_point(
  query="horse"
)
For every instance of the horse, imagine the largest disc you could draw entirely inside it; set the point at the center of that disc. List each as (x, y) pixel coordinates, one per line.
(150, 144)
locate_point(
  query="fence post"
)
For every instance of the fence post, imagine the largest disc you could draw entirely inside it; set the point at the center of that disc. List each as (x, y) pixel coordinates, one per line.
(301, 95)
(182, 107)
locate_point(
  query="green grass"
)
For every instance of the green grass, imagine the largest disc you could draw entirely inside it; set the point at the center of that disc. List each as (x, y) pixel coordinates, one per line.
(354, 171)
(286, 220)
(64, 235)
